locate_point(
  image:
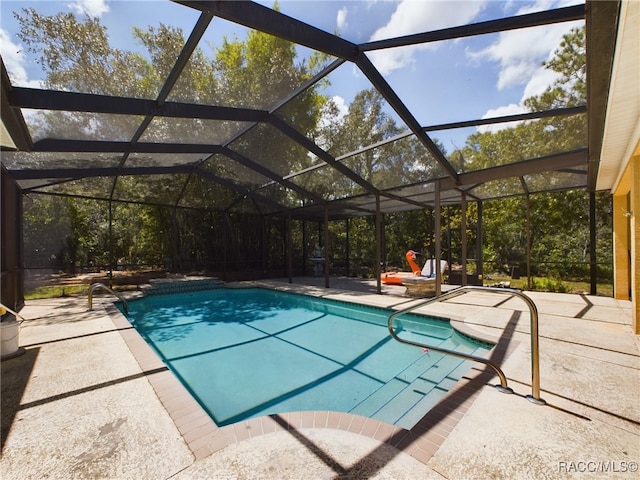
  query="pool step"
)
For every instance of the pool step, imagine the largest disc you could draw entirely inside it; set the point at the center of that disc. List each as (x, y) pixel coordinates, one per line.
(381, 397)
(409, 418)
(414, 391)
(406, 400)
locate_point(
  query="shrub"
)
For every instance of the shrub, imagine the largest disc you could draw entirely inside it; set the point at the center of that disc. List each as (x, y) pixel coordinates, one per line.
(549, 285)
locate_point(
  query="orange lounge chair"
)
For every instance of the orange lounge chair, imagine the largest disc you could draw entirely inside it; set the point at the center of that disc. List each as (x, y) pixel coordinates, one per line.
(396, 278)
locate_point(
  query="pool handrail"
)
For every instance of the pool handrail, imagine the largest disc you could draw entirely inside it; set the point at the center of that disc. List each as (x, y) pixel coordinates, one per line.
(535, 354)
(12, 312)
(95, 286)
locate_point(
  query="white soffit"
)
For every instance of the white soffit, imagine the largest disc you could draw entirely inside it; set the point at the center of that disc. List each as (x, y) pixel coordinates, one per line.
(622, 123)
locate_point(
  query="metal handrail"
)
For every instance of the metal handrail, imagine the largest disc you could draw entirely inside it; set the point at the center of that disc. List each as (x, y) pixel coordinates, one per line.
(95, 286)
(535, 354)
(15, 314)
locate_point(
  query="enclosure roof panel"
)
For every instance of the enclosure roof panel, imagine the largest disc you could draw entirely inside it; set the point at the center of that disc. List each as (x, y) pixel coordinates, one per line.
(238, 106)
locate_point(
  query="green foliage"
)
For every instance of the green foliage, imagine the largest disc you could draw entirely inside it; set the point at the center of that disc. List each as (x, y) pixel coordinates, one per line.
(76, 55)
(548, 285)
(404, 231)
(367, 123)
(255, 73)
(505, 228)
(570, 63)
(55, 291)
(46, 225)
(559, 221)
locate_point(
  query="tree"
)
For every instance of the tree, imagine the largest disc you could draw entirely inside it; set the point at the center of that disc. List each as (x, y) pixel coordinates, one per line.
(75, 55)
(46, 225)
(257, 72)
(560, 219)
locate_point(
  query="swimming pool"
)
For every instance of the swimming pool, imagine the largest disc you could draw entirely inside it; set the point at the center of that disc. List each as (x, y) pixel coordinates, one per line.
(244, 353)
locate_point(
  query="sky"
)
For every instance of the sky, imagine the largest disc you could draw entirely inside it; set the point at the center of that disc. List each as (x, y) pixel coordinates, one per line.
(466, 79)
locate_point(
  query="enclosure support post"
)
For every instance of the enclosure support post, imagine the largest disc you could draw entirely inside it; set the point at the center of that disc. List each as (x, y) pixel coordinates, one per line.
(463, 238)
(438, 239)
(266, 241)
(383, 244)
(227, 246)
(176, 262)
(305, 252)
(347, 250)
(528, 199)
(479, 246)
(593, 271)
(289, 244)
(111, 256)
(449, 242)
(378, 245)
(326, 246)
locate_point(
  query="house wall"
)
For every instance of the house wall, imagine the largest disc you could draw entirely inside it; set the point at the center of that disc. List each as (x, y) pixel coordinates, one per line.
(634, 204)
(621, 247)
(626, 237)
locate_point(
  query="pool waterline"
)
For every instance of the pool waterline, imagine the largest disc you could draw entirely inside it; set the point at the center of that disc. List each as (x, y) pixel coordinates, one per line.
(385, 380)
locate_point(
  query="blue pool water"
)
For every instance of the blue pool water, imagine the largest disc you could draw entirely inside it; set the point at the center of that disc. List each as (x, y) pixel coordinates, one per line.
(250, 352)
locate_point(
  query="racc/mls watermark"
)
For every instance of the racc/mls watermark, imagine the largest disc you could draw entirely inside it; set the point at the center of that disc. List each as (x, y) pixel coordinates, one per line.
(598, 466)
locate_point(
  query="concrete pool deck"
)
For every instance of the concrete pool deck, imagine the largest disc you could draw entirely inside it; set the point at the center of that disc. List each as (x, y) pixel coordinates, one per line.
(89, 399)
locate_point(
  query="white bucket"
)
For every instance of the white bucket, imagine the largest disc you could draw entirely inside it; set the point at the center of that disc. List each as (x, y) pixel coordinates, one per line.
(9, 334)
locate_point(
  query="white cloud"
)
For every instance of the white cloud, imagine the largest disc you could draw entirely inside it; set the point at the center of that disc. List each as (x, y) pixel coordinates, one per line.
(326, 120)
(539, 81)
(343, 108)
(341, 20)
(511, 109)
(93, 8)
(519, 55)
(13, 55)
(415, 17)
(386, 61)
(355, 71)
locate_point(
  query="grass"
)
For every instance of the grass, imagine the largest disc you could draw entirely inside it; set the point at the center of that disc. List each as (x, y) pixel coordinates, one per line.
(546, 284)
(539, 284)
(58, 291)
(55, 291)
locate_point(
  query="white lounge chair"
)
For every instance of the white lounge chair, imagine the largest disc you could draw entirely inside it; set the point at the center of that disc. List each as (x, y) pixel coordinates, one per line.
(429, 269)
